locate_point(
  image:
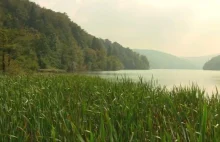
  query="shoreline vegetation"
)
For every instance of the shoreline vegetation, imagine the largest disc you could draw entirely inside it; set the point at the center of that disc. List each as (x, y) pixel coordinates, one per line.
(85, 108)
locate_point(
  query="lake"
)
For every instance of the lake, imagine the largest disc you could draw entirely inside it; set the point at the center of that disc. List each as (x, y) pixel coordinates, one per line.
(208, 80)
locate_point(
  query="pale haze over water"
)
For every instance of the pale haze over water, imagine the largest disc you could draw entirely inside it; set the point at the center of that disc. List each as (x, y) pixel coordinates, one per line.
(208, 80)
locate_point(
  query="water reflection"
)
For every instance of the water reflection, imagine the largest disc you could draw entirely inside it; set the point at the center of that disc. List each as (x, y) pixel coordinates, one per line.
(208, 80)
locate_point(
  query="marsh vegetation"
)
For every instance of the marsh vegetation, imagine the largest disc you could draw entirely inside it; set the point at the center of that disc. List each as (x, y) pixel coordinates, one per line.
(82, 108)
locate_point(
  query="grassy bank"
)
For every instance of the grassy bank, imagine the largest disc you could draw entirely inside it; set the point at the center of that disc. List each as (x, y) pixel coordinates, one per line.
(80, 108)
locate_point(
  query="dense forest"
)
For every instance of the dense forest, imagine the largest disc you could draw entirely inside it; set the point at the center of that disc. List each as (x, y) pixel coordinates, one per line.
(33, 38)
(213, 64)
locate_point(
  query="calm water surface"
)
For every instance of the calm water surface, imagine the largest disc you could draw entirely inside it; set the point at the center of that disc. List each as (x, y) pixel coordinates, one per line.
(208, 80)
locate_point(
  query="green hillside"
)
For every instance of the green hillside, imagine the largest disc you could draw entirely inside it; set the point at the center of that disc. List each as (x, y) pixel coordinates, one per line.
(161, 60)
(33, 38)
(213, 64)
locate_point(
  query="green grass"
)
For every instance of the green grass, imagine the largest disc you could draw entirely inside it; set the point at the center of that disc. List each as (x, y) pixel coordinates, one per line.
(80, 108)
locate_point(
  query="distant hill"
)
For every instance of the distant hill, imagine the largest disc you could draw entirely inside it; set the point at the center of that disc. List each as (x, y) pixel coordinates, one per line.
(199, 61)
(213, 64)
(161, 60)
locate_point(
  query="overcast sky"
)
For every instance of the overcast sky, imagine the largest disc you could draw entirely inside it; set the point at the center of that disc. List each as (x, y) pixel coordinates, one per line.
(179, 27)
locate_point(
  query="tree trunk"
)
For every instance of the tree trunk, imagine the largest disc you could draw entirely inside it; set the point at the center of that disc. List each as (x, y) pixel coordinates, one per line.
(9, 60)
(9, 57)
(3, 61)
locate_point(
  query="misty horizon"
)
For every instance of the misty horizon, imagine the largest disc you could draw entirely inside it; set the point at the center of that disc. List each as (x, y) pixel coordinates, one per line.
(195, 56)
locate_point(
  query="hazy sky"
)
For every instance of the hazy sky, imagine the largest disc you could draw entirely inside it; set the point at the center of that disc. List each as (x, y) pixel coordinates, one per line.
(180, 27)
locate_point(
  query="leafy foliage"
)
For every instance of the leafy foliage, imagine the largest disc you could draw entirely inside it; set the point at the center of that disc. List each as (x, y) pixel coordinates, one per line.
(50, 40)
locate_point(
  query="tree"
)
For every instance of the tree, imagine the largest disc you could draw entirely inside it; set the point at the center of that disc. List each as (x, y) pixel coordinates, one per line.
(14, 46)
(90, 58)
(96, 44)
(114, 64)
(3, 44)
(42, 49)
